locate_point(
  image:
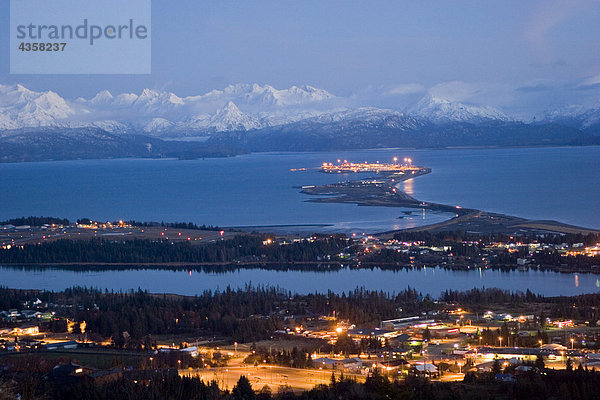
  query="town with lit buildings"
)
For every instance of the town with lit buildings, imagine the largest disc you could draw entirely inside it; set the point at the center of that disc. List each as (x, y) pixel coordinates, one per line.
(443, 342)
(285, 340)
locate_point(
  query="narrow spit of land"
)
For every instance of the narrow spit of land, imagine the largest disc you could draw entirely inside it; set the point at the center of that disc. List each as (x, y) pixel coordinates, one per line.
(383, 189)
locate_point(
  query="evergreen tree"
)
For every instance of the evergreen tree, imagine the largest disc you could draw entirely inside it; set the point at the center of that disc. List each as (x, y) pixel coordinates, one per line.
(427, 334)
(243, 390)
(539, 363)
(496, 369)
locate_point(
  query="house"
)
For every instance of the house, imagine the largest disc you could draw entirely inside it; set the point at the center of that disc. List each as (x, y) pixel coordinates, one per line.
(443, 331)
(29, 329)
(380, 334)
(427, 369)
(406, 322)
(405, 341)
(46, 316)
(505, 353)
(395, 364)
(104, 376)
(192, 351)
(30, 314)
(348, 364)
(562, 323)
(68, 373)
(324, 362)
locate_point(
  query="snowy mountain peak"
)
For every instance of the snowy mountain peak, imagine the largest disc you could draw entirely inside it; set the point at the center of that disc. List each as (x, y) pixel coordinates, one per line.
(21, 88)
(442, 110)
(102, 97)
(575, 115)
(148, 93)
(267, 96)
(21, 107)
(153, 96)
(230, 107)
(230, 118)
(125, 99)
(156, 125)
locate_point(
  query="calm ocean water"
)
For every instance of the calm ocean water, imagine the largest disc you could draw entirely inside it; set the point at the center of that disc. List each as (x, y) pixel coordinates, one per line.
(258, 189)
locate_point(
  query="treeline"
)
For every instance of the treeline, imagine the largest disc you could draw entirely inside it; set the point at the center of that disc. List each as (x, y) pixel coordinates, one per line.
(245, 315)
(39, 221)
(582, 307)
(490, 296)
(240, 247)
(296, 358)
(36, 221)
(177, 225)
(385, 255)
(551, 384)
(252, 314)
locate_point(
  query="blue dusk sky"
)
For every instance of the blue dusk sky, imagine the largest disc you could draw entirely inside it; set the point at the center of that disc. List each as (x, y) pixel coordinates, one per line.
(516, 55)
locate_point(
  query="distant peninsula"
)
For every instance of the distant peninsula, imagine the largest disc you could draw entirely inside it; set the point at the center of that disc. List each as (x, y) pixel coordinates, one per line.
(382, 189)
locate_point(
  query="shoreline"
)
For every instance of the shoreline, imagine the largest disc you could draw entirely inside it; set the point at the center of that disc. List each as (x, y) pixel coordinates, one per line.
(249, 152)
(382, 189)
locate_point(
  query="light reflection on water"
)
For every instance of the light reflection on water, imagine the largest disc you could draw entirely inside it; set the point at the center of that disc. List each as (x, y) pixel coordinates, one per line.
(427, 280)
(407, 187)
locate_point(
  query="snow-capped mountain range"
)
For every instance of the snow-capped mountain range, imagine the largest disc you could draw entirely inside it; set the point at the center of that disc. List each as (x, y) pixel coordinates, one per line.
(163, 113)
(575, 115)
(240, 107)
(441, 111)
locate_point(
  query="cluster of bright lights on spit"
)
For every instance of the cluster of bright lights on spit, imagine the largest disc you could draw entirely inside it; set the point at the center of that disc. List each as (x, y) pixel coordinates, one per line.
(406, 160)
(343, 166)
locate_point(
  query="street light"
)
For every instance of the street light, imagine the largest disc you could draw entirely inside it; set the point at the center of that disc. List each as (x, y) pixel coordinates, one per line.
(540, 342)
(500, 340)
(480, 340)
(572, 342)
